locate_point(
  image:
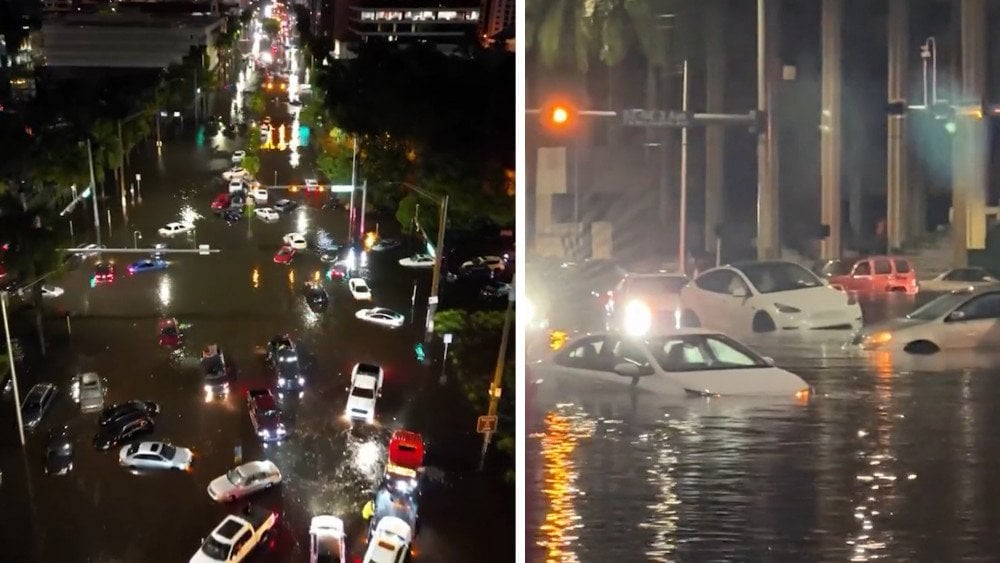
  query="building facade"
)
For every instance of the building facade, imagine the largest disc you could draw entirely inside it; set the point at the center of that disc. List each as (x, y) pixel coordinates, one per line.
(496, 17)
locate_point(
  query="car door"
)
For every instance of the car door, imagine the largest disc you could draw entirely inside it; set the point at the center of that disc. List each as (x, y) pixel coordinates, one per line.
(705, 295)
(975, 324)
(241, 547)
(860, 279)
(587, 360)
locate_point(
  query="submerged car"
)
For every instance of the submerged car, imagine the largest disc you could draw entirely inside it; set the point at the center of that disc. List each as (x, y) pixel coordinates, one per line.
(169, 333)
(115, 414)
(216, 371)
(88, 391)
(327, 543)
(36, 403)
(966, 319)
(284, 255)
(146, 265)
(359, 289)
(59, 452)
(104, 272)
(958, 279)
(417, 261)
(764, 297)
(692, 361)
(123, 430)
(265, 416)
(316, 296)
(381, 316)
(155, 455)
(244, 480)
(176, 228)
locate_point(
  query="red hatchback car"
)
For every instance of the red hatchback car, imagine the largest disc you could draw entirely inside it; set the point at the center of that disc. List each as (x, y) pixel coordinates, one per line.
(406, 449)
(169, 333)
(874, 275)
(221, 202)
(284, 255)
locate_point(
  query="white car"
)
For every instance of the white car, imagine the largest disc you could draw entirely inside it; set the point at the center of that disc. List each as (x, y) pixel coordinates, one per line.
(266, 214)
(155, 455)
(88, 390)
(764, 297)
(236, 185)
(382, 316)
(48, 291)
(259, 195)
(491, 262)
(312, 185)
(370, 370)
(960, 320)
(361, 396)
(417, 261)
(327, 542)
(692, 361)
(295, 240)
(176, 228)
(390, 541)
(244, 480)
(359, 289)
(238, 157)
(235, 173)
(959, 279)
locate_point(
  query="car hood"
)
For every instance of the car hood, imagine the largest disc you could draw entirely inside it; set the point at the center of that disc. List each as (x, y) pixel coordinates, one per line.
(893, 325)
(360, 403)
(820, 298)
(183, 456)
(200, 557)
(221, 485)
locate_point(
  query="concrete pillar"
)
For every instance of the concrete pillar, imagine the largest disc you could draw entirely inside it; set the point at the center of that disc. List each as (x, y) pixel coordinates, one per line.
(970, 149)
(897, 187)
(831, 126)
(768, 203)
(715, 135)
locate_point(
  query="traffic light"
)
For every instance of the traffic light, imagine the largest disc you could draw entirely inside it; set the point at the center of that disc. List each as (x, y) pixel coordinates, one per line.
(559, 117)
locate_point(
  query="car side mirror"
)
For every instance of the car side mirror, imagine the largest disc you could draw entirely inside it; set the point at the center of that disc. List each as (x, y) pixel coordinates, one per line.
(739, 292)
(956, 316)
(627, 369)
(768, 360)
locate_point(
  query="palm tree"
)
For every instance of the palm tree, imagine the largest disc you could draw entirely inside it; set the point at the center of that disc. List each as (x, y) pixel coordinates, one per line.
(561, 32)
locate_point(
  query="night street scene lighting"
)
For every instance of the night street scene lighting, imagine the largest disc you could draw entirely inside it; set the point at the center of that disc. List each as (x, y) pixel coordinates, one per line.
(251, 285)
(762, 264)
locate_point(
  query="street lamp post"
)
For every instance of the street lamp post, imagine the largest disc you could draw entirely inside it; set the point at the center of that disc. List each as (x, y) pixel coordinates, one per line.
(928, 52)
(13, 371)
(136, 235)
(93, 195)
(498, 376)
(682, 238)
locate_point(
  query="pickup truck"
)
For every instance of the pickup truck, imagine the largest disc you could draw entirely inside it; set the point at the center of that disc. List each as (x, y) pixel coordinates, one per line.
(233, 539)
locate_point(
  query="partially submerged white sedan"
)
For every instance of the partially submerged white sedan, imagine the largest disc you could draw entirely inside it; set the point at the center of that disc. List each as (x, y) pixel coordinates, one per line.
(244, 480)
(968, 319)
(686, 361)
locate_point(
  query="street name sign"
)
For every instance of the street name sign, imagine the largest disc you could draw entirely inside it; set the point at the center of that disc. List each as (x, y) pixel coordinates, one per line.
(486, 424)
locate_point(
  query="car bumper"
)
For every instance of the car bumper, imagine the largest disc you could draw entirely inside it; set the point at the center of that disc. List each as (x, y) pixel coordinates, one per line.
(848, 318)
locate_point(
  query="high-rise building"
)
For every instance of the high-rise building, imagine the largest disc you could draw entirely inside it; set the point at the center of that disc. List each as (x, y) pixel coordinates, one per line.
(497, 16)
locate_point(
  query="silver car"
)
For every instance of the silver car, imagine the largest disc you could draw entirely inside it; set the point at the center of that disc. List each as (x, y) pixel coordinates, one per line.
(36, 403)
(88, 390)
(155, 455)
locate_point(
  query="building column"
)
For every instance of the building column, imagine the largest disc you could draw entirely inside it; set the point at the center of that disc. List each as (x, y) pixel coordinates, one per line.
(715, 135)
(768, 201)
(831, 126)
(970, 148)
(897, 188)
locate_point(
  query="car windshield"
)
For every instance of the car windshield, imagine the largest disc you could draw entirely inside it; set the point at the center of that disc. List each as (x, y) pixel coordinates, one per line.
(168, 451)
(133, 449)
(835, 268)
(364, 393)
(774, 277)
(938, 307)
(695, 352)
(235, 476)
(215, 550)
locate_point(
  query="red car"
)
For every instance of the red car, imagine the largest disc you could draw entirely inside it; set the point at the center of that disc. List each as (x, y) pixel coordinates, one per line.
(874, 275)
(104, 272)
(284, 255)
(220, 202)
(170, 333)
(406, 449)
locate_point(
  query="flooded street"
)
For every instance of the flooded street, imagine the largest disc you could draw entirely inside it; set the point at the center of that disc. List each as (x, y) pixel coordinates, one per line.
(239, 299)
(893, 458)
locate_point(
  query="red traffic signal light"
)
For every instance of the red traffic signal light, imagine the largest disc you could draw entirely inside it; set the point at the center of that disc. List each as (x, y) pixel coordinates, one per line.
(559, 115)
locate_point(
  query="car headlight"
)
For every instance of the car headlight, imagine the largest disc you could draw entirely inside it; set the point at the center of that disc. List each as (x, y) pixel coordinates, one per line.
(281, 381)
(265, 433)
(638, 318)
(302, 381)
(786, 308)
(281, 430)
(208, 389)
(878, 338)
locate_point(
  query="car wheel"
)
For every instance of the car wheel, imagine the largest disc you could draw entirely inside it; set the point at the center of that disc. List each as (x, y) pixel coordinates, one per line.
(762, 322)
(921, 347)
(689, 319)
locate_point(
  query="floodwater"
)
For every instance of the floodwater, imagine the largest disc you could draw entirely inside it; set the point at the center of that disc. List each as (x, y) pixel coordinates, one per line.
(239, 299)
(894, 458)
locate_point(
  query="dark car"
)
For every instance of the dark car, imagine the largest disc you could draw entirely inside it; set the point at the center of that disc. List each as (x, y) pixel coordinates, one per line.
(146, 265)
(283, 205)
(217, 372)
(495, 290)
(36, 403)
(385, 244)
(104, 272)
(116, 414)
(316, 296)
(59, 452)
(170, 335)
(126, 429)
(232, 215)
(265, 416)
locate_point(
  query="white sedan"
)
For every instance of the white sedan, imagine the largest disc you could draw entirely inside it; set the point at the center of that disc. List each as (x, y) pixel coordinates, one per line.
(259, 195)
(959, 279)
(960, 320)
(295, 240)
(764, 297)
(236, 173)
(266, 214)
(176, 228)
(382, 316)
(417, 261)
(244, 480)
(48, 291)
(238, 157)
(155, 455)
(692, 361)
(359, 289)
(326, 539)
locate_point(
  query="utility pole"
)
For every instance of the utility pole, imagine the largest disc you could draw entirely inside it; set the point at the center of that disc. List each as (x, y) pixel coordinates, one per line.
(364, 201)
(13, 369)
(93, 195)
(897, 190)
(831, 126)
(768, 239)
(682, 237)
(432, 301)
(715, 135)
(969, 156)
(496, 385)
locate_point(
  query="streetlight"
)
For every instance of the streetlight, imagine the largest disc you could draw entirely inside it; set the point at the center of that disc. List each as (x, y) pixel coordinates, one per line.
(497, 376)
(928, 52)
(13, 371)
(136, 235)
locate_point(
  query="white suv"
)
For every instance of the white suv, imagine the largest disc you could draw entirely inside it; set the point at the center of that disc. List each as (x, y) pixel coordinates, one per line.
(366, 387)
(390, 542)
